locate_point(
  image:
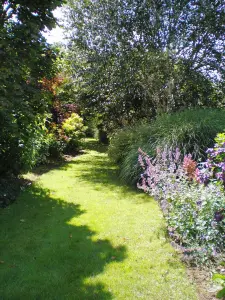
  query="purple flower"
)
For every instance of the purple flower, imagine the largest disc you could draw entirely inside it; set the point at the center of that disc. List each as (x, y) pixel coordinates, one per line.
(199, 203)
(219, 175)
(140, 160)
(177, 154)
(219, 216)
(209, 150)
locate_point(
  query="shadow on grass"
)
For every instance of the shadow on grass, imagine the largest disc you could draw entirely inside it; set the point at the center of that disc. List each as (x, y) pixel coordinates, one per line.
(45, 256)
(101, 173)
(52, 164)
(98, 170)
(94, 145)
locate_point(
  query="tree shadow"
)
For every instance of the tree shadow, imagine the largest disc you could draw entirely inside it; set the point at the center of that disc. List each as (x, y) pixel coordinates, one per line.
(103, 174)
(52, 164)
(94, 145)
(45, 256)
(100, 172)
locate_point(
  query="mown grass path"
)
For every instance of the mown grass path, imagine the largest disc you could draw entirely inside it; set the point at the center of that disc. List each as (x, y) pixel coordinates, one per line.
(77, 233)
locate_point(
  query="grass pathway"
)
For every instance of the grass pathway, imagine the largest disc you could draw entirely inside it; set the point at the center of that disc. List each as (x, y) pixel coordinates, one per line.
(77, 233)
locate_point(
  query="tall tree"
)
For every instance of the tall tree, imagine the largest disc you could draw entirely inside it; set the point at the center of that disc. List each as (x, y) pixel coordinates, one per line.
(25, 59)
(147, 56)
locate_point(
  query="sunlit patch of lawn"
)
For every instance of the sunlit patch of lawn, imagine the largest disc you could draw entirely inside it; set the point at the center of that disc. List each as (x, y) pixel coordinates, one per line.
(77, 233)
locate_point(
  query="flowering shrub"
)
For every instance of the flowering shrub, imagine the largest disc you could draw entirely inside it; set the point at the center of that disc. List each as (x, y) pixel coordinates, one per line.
(162, 174)
(216, 158)
(195, 213)
(203, 174)
(196, 221)
(214, 167)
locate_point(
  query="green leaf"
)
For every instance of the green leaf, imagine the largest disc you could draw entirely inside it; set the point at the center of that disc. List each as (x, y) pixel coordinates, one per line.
(221, 294)
(218, 276)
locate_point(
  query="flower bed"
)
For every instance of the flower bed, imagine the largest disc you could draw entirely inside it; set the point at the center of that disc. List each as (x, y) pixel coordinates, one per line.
(192, 198)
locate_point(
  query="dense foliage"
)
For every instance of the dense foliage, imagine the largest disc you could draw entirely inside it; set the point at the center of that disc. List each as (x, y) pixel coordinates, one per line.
(214, 167)
(74, 130)
(26, 59)
(195, 212)
(134, 59)
(192, 131)
(59, 138)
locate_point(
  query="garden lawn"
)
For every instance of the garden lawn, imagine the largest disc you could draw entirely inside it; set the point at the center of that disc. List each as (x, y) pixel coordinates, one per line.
(77, 233)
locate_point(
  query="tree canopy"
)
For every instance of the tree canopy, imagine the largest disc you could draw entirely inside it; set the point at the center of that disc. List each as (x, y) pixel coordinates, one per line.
(26, 59)
(141, 57)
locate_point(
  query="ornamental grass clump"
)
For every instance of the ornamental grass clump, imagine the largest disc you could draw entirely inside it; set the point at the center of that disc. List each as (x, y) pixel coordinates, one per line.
(195, 212)
(190, 130)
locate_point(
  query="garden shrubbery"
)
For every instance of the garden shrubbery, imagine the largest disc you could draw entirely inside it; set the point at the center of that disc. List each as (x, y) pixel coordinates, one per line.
(40, 142)
(38, 145)
(184, 170)
(65, 136)
(74, 130)
(23, 148)
(195, 210)
(192, 131)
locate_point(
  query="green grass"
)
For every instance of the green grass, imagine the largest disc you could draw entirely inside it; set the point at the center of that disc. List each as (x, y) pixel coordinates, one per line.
(77, 233)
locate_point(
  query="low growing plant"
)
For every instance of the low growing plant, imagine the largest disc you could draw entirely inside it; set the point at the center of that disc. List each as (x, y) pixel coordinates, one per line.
(195, 213)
